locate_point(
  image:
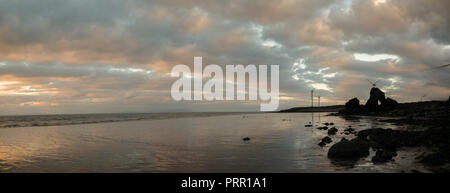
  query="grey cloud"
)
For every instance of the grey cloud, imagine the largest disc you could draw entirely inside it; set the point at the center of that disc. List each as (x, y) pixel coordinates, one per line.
(84, 40)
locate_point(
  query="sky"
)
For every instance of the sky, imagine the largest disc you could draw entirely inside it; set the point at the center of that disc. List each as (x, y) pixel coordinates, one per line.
(108, 56)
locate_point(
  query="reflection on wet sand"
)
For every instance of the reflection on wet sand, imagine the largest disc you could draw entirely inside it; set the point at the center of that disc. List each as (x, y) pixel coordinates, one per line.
(279, 143)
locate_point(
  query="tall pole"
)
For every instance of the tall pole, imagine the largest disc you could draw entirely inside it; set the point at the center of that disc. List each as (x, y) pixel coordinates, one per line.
(318, 97)
(312, 98)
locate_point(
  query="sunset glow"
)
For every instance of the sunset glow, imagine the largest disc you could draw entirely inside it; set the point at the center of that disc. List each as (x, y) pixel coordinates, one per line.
(116, 56)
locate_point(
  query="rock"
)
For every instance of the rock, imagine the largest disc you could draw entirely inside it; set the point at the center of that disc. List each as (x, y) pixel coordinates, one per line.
(352, 104)
(448, 101)
(246, 139)
(389, 103)
(432, 159)
(321, 144)
(327, 140)
(378, 99)
(332, 131)
(353, 149)
(391, 139)
(349, 131)
(383, 156)
(376, 95)
(308, 125)
(322, 128)
(328, 124)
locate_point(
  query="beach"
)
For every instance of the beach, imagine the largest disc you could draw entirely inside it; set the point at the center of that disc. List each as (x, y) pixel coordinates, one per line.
(205, 142)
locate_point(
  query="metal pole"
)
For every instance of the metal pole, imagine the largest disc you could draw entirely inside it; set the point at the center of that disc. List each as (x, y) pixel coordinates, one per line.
(318, 100)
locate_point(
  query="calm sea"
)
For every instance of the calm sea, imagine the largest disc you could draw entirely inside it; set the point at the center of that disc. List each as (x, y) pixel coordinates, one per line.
(182, 142)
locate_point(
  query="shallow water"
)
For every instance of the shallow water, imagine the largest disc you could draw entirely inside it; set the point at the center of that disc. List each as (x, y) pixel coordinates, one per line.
(279, 143)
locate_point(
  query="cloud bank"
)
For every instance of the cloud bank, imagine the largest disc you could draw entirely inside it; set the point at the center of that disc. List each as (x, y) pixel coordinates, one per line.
(82, 56)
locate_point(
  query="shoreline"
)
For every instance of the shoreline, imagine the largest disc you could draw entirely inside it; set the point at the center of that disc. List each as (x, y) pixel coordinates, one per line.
(333, 108)
(11, 121)
(427, 126)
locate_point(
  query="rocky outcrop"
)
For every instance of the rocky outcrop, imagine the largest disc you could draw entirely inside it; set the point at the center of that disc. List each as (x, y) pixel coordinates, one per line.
(326, 140)
(349, 131)
(378, 99)
(386, 140)
(352, 149)
(332, 131)
(376, 96)
(391, 139)
(448, 101)
(389, 103)
(383, 156)
(352, 104)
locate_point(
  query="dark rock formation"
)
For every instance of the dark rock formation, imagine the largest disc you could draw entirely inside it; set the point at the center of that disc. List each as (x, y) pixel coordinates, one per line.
(349, 131)
(389, 103)
(322, 128)
(332, 131)
(391, 139)
(386, 139)
(321, 144)
(428, 126)
(353, 149)
(246, 139)
(376, 95)
(378, 99)
(433, 159)
(383, 156)
(352, 104)
(327, 140)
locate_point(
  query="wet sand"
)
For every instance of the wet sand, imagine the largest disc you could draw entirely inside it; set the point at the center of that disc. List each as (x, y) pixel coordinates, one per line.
(280, 142)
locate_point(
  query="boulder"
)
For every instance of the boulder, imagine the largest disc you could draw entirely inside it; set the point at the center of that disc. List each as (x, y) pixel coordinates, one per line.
(322, 128)
(383, 156)
(349, 131)
(321, 144)
(352, 104)
(332, 131)
(327, 140)
(352, 149)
